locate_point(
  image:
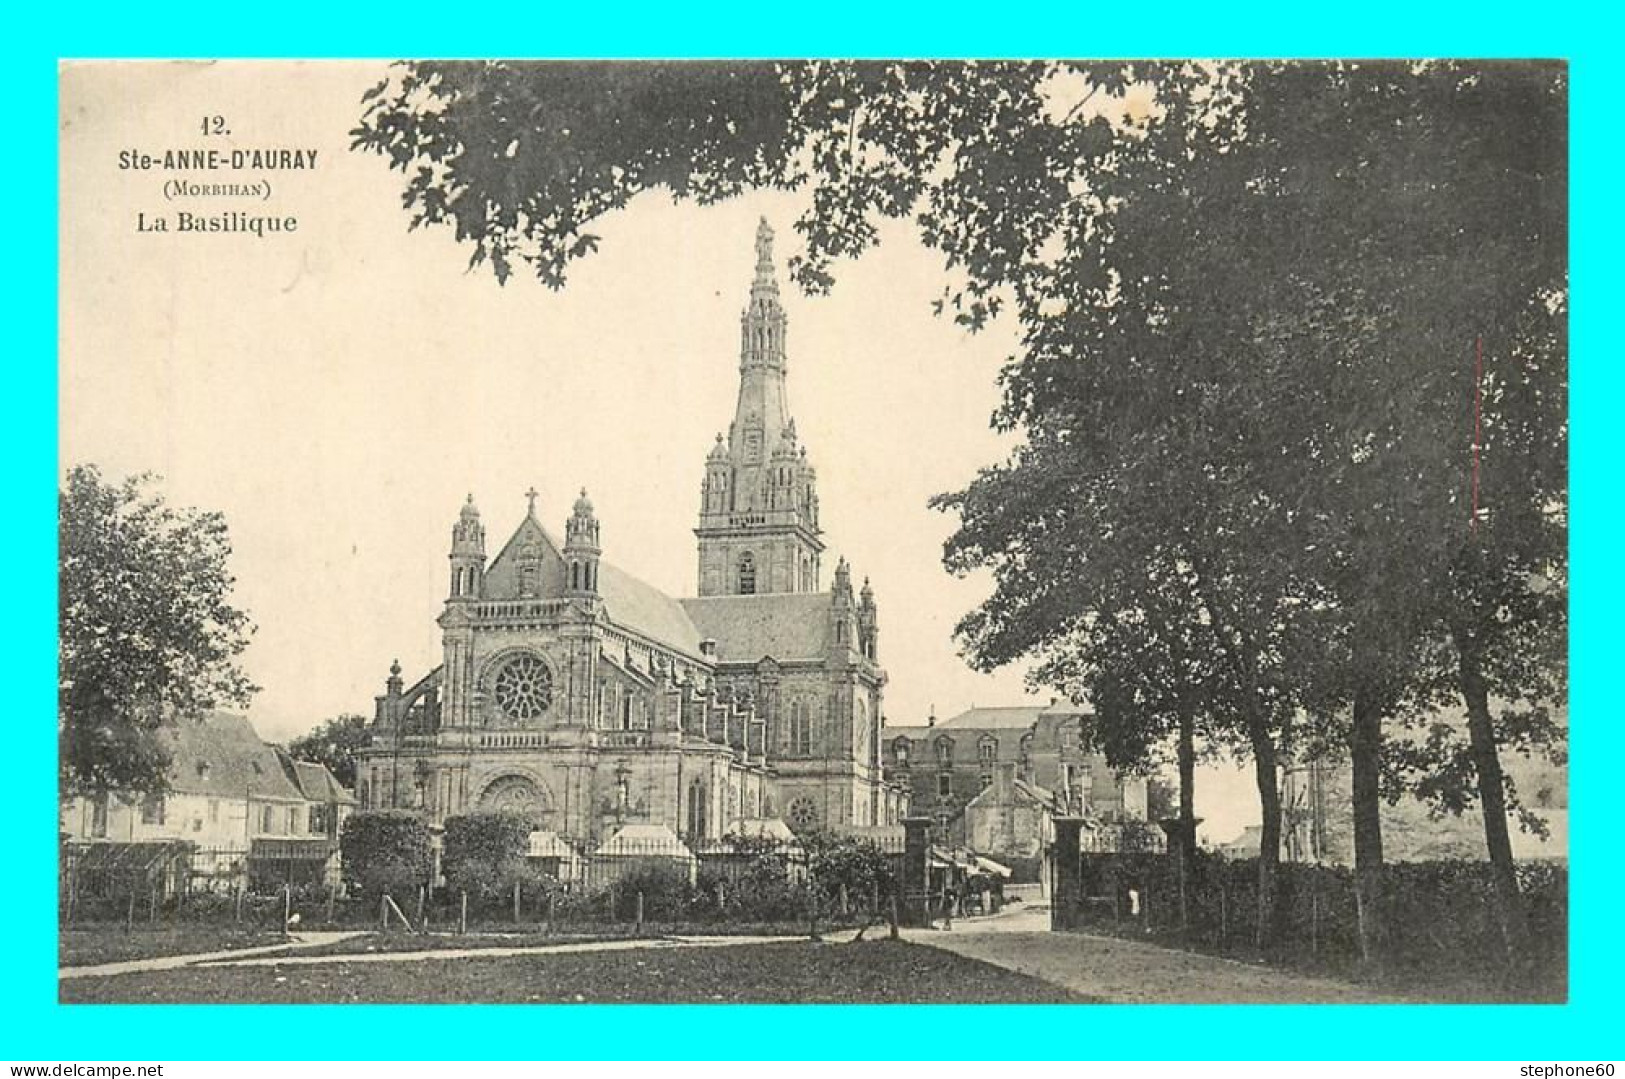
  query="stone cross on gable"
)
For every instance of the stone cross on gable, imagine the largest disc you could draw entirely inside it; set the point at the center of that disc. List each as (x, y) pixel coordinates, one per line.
(531, 495)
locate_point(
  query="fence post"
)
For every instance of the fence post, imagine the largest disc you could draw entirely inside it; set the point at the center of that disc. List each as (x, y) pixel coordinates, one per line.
(242, 886)
(383, 913)
(812, 913)
(1314, 919)
(152, 902)
(462, 915)
(129, 914)
(552, 908)
(1224, 910)
(332, 900)
(516, 902)
(640, 914)
(894, 916)
(422, 921)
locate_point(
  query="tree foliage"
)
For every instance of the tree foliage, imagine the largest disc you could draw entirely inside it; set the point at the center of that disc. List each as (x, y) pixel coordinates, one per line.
(147, 634)
(484, 853)
(386, 853)
(334, 744)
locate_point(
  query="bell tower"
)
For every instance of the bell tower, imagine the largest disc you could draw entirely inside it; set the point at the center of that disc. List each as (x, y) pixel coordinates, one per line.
(758, 530)
(467, 553)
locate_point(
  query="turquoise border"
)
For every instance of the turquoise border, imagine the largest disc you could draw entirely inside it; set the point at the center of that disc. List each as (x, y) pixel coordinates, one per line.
(35, 1027)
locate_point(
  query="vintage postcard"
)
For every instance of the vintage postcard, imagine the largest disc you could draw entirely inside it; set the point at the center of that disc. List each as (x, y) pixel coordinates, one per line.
(813, 531)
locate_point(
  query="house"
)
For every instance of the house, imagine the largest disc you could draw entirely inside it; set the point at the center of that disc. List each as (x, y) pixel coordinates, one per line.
(242, 805)
(1046, 765)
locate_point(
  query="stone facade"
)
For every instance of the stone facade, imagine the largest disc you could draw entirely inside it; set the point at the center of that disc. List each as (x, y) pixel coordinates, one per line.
(953, 770)
(585, 699)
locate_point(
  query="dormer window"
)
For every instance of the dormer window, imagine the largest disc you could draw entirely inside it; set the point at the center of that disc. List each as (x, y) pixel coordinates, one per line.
(203, 769)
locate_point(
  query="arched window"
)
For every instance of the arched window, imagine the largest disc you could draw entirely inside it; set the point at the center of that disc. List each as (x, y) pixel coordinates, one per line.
(747, 574)
(899, 750)
(696, 809)
(800, 729)
(945, 750)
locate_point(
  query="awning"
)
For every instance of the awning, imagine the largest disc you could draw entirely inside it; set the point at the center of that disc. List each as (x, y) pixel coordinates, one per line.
(316, 849)
(988, 865)
(545, 844)
(127, 857)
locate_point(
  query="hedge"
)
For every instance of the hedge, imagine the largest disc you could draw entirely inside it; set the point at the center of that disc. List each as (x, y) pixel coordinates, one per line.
(1437, 912)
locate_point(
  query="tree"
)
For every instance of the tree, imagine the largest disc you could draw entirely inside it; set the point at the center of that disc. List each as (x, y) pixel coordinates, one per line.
(147, 633)
(386, 853)
(485, 853)
(334, 744)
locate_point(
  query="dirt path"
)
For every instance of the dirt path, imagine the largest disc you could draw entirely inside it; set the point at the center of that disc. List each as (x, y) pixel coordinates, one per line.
(1131, 972)
(568, 948)
(170, 962)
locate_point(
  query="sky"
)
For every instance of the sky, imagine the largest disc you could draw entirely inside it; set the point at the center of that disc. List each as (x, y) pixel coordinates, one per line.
(336, 392)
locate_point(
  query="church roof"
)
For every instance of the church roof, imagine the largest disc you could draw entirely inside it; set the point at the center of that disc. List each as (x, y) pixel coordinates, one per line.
(630, 603)
(786, 626)
(645, 609)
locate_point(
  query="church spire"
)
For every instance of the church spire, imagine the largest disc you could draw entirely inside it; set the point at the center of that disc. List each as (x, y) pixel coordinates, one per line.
(758, 508)
(763, 324)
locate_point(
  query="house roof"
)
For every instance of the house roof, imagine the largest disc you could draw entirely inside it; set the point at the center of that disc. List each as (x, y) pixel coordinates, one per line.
(991, 719)
(1023, 790)
(317, 783)
(999, 722)
(221, 756)
(786, 625)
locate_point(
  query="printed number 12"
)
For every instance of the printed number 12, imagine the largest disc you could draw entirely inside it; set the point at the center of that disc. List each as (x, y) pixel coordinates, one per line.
(215, 125)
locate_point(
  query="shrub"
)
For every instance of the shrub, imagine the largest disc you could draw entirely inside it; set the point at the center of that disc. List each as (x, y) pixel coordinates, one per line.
(667, 893)
(484, 853)
(386, 852)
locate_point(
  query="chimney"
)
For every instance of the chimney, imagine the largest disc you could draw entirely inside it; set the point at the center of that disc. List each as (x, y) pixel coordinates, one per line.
(1004, 782)
(931, 720)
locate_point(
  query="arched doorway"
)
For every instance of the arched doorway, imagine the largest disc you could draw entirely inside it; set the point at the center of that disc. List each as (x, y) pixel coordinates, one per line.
(519, 795)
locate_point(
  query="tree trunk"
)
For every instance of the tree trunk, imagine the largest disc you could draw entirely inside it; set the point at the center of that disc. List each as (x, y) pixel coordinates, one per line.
(1267, 932)
(1185, 841)
(1187, 786)
(1365, 751)
(1492, 799)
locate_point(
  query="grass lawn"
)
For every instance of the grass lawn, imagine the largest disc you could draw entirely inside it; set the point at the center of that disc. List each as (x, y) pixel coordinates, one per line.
(869, 972)
(90, 944)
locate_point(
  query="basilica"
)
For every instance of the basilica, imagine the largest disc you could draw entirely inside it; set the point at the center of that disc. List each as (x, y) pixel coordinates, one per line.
(577, 695)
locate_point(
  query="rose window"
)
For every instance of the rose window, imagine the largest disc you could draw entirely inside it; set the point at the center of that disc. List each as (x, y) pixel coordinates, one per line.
(802, 814)
(524, 689)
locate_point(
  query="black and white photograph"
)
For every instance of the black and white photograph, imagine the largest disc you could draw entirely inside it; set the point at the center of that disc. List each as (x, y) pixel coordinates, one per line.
(813, 531)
